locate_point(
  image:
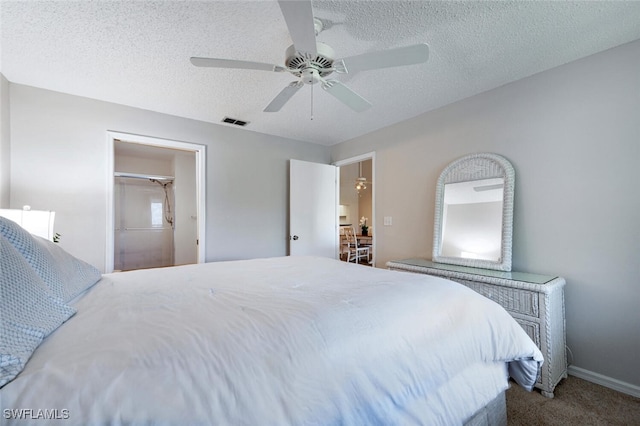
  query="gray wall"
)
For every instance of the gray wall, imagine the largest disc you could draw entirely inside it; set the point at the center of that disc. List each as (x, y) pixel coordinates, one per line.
(573, 137)
(58, 162)
(5, 149)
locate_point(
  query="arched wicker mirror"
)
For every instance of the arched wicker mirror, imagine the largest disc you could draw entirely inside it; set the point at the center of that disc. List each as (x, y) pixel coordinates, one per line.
(474, 213)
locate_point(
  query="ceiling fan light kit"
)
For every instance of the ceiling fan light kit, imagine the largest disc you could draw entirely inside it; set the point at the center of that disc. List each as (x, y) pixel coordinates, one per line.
(311, 61)
(361, 181)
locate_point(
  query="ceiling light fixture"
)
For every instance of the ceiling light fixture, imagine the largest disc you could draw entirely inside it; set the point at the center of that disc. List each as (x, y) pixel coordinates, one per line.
(361, 182)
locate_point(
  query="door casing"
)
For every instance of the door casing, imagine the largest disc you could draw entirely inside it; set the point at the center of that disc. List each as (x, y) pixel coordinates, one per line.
(363, 157)
(200, 160)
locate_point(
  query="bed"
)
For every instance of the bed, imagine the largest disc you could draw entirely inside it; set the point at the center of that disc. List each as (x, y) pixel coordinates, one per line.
(279, 341)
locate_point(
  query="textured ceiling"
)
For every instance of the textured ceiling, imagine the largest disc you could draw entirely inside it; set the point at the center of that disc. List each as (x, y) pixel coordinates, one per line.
(137, 53)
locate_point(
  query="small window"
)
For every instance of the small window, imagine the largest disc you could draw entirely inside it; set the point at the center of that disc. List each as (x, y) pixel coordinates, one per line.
(156, 215)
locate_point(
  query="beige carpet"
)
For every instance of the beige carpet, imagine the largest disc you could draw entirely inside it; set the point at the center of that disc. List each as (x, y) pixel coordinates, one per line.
(576, 402)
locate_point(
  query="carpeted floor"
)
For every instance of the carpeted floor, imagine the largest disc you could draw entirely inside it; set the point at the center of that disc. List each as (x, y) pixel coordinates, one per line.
(575, 402)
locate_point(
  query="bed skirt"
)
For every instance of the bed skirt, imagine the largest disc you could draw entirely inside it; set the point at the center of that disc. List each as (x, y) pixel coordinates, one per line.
(492, 414)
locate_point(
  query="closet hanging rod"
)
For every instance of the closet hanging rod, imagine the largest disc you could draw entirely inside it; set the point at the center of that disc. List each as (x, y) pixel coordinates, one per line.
(154, 228)
(141, 176)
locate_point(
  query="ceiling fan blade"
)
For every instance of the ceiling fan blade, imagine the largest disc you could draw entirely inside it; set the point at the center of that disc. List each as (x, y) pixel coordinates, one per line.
(346, 95)
(408, 55)
(298, 14)
(232, 63)
(283, 97)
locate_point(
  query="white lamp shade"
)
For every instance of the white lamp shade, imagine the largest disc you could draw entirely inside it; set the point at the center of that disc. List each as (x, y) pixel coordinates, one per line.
(37, 222)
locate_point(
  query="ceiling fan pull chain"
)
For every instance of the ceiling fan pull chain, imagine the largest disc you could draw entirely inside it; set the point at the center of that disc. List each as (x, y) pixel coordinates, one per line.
(311, 102)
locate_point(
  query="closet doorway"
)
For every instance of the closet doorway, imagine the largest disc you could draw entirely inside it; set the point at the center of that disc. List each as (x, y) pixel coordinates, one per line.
(356, 206)
(156, 209)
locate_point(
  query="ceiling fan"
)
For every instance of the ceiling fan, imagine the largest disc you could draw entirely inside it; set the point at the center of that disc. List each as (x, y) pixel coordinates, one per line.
(312, 61)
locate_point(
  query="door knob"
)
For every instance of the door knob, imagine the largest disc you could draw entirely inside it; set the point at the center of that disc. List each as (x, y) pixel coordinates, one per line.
(294, 238)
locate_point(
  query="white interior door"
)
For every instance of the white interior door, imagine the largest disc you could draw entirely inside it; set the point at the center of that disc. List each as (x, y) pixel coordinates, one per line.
(313, 215)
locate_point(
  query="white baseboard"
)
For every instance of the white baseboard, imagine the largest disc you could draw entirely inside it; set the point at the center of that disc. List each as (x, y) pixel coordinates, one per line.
(605, 381)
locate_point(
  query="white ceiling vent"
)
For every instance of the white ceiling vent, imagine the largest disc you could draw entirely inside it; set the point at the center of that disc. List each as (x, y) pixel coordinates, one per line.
(234, 121)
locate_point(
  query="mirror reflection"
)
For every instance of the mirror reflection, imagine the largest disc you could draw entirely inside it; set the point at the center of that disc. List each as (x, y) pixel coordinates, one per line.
(472, 219)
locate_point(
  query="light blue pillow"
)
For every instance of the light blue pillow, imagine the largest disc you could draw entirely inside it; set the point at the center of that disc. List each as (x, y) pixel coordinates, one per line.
(65, 275)
(29, 312)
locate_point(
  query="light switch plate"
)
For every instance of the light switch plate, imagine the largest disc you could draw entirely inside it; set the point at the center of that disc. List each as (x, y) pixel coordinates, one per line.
(388, 221)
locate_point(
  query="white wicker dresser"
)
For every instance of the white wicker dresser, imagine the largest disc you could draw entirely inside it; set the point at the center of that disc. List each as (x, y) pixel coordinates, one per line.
(535, 301)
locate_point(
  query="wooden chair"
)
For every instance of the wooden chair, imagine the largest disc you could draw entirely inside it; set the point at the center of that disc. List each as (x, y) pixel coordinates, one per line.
(344, 245)
(355, 253)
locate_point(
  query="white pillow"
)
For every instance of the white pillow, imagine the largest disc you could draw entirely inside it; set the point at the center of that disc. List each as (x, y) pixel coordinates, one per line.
(65, 275)
(29, 312)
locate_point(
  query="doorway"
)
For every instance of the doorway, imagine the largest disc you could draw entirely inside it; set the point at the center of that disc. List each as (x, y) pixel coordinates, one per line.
(155, 211)
(144, 229)
(356, 205)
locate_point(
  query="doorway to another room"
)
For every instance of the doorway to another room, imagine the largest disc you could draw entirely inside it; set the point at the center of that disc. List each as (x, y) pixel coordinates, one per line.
(356, 209)
(156, 204)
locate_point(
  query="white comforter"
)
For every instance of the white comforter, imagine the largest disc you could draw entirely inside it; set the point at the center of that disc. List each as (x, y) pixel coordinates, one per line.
(272, 342)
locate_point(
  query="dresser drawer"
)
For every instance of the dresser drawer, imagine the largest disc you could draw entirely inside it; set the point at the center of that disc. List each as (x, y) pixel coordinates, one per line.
(512, 299)
(533, 331)
(531, 328)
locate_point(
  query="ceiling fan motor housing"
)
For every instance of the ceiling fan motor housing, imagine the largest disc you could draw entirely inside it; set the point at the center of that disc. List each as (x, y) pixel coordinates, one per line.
(310, 67)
